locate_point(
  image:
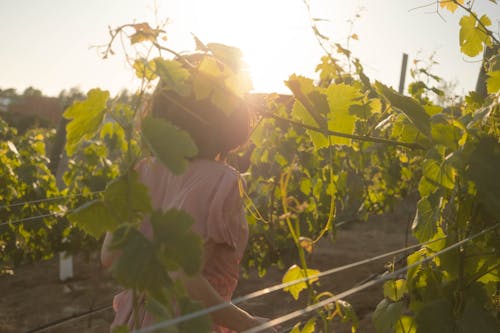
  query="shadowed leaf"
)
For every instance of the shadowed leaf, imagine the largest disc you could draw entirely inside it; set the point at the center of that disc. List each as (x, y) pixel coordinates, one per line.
(171, 145)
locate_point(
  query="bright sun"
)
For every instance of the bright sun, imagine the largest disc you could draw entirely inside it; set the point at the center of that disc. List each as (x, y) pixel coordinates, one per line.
(264, 31)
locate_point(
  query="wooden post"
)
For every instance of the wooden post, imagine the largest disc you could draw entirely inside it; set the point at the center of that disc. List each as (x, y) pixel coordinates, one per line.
(402, 77)
(65, 266)
(58, 164)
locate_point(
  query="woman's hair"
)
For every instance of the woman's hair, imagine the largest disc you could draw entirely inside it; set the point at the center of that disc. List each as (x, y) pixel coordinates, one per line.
(213, 131)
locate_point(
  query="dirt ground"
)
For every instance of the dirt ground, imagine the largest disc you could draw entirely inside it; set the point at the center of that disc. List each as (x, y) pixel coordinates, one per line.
(34, 296)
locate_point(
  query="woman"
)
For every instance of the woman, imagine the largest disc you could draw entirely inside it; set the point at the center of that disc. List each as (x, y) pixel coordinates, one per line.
(209, 190)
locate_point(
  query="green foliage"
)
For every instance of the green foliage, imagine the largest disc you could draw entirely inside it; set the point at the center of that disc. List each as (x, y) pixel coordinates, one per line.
(170, 144)
(86, 118)
(473, 36)
(339, 148)
(296, 273)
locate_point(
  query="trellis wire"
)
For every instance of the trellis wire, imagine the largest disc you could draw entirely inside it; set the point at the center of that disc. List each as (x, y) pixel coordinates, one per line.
(31, 218)
(274, 288)
(48, 199)
(366, 285)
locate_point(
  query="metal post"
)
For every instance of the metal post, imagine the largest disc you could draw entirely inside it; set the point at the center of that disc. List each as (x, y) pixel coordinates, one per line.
(402, 77)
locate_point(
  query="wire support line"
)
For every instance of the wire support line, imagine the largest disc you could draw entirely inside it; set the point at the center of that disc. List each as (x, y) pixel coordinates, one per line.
(274, 288)
(31, 218)
(48, 199)
(366, 285)
(74, 317)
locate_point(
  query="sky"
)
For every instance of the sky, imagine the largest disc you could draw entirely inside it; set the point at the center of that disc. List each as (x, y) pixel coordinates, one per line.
(50, 44)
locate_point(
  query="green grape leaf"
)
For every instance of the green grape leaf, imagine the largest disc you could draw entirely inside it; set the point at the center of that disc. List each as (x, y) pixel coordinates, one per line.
(115, 133)
(218, 83)
(173, 75)
(439, 172)
(318, 139)
(178, 243)
(408, 106)
(427, 218)
(444, 131)
(493, 82)
(472, 35)
(296, 273)
(311, 98)
(395, 289)
(341, 98)
(85, 118)
(310, 326)
(405, 324)
(94, 218)
(310, 108)
(138, 265)
(450, 5)
(386, 315)
(171, 145)
(228, 55)
(145, 69)
(127, 198)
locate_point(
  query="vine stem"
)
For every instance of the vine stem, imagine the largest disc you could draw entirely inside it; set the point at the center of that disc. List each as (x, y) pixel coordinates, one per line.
(411, 145)
(474, 15)
(284, 180)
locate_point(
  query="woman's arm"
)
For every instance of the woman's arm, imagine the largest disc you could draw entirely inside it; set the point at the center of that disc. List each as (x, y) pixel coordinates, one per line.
(231, 316)
(108, 256)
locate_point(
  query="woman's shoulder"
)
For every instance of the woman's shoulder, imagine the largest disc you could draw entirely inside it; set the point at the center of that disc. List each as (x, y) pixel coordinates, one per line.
(204, 170)
(212, 166)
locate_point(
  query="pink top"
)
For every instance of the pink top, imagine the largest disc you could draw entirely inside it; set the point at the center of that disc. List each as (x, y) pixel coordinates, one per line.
(210, 192)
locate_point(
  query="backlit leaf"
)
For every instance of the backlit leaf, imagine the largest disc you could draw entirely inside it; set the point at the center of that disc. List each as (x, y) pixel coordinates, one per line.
(472, 35)
(296, 273)
(395, 289)
(427, 218)
(443, 131)
(145, 69)
(171, 145)
(340, 98)
(439, 172)
(405, 324)
(85, 118)
(407, 105)
(450, 5)
(318, 139)
(228, 55)
(310, 326)
(173, 75)
(493, 82)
